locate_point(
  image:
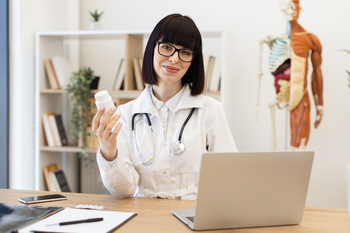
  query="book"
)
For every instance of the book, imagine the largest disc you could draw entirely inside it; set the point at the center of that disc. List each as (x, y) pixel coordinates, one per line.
(112, 220)
(47, 176)
(51, 75)
(214, 84)
(140, 64)
(120, 75)
(137, 74)
(59, 181)
(208, 63)
(55, 75)
(206, 59)
(209, 70)
(47, 128)
(62, 69)
(56, 187)
(54, 129)
(61, 131)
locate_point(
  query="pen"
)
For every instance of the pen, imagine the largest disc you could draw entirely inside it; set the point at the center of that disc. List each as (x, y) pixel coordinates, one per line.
(34, 231)
(77, 221)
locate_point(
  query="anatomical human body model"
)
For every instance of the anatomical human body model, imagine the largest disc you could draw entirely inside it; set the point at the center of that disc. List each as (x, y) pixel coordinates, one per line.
(288, 63)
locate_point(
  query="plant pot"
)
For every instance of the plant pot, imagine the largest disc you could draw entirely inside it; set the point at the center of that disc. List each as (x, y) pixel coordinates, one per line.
(93, 25)
(94, 83)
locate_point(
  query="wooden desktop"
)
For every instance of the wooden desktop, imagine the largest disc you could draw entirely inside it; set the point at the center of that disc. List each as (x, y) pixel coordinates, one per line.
(154, 215)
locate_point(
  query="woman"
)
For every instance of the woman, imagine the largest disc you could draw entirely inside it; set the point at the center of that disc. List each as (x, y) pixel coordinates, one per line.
(164, 162)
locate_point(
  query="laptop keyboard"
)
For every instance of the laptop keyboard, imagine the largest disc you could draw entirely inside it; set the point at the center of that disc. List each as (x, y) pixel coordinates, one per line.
(191, 218)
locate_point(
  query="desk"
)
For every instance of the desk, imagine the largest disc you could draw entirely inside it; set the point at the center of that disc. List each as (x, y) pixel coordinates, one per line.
(154, 215)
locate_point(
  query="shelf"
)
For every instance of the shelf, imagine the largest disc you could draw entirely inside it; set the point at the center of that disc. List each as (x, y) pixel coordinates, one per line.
(100, 34)
(131, 94)
(128, 44)
(68, 149)
(90, 34)
(53, 91)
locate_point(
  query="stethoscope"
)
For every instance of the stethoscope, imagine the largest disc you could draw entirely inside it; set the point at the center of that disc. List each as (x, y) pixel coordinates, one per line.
(177, 147)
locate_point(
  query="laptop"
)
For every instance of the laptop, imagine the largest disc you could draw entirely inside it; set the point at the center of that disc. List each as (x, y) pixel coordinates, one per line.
(250, 189)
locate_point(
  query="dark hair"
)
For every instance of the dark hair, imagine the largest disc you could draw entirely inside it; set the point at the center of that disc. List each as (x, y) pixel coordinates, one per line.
(179, 30)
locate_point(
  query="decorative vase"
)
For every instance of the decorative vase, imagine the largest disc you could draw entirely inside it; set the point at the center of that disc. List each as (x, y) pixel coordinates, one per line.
(94, 83)
(93, 25)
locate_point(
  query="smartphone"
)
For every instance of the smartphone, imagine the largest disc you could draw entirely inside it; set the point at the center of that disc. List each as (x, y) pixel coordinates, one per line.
(44, 198)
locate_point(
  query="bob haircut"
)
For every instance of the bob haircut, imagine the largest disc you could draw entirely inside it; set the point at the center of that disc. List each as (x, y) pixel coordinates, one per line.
(179, 30)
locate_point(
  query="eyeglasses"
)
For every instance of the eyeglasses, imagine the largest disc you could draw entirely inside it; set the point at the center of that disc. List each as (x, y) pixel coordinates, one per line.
(167, 50)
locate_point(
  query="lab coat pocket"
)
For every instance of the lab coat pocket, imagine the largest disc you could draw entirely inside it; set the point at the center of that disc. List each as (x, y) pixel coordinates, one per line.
(193, 183)
(195, 142)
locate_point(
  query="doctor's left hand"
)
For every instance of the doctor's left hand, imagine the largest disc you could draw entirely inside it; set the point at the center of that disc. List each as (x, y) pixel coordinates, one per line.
(103, 130)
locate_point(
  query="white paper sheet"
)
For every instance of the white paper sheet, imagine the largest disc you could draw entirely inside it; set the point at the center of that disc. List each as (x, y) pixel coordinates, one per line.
(111, 219)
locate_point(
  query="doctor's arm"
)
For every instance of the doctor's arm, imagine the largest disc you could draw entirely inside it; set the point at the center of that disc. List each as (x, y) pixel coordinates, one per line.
(118, 175)
(219, 137)
(103, 130)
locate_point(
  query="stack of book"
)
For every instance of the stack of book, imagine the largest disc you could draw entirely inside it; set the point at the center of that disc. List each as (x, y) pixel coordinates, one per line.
(55, 133)
(137, 72)
(212, 69)
(119, 79)
(137, 68)
(58, 71)
(55, 179)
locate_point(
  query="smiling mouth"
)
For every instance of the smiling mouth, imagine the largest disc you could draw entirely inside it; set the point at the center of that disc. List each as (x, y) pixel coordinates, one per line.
(171, 69)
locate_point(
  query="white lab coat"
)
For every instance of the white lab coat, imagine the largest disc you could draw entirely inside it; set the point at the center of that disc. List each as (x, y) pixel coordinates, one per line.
(170, 175)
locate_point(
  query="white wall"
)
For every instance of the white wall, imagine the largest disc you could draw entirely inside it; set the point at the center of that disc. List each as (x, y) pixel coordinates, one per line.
(246, 21)
(27, 17)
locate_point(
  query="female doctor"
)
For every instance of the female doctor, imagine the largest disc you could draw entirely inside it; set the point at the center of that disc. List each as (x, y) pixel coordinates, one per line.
(156, 147)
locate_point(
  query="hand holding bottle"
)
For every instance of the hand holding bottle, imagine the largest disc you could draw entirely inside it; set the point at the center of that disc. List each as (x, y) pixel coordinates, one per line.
(104, 125)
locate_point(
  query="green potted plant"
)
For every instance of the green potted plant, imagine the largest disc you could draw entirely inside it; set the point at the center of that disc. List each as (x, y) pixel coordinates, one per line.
(95, 18)
(79, 92)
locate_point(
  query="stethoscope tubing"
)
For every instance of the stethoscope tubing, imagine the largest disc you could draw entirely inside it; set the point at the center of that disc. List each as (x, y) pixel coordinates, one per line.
(150, 161)
(184, 124)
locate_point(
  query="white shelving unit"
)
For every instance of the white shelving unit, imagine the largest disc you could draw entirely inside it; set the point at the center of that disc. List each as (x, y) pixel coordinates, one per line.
(68, 43)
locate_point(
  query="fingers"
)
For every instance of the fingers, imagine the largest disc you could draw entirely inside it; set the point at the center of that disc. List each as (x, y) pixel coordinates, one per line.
(110, 127)
(107, 117)
(317, 123)
(96, 120)
(116, 130)
(318, 120)
(100, 125)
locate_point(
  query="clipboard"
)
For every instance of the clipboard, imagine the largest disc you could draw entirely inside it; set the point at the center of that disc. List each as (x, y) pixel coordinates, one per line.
(112, 220)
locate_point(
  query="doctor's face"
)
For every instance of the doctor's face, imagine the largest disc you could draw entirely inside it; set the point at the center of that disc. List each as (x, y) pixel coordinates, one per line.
(170, 69)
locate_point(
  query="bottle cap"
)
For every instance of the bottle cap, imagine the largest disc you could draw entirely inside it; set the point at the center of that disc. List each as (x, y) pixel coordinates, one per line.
(102, 96)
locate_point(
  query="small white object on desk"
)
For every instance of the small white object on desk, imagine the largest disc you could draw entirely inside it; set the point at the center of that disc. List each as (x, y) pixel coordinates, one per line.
(91, 207)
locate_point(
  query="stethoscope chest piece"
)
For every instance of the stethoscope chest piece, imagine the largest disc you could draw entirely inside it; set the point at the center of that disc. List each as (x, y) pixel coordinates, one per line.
(177, 147)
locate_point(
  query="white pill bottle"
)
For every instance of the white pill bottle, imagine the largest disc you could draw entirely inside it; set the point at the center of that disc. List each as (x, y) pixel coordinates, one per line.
(103, 99)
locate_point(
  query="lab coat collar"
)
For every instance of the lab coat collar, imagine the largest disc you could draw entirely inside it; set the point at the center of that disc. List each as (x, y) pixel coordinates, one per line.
(170, 104)
(188, 101)
(144, 102)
